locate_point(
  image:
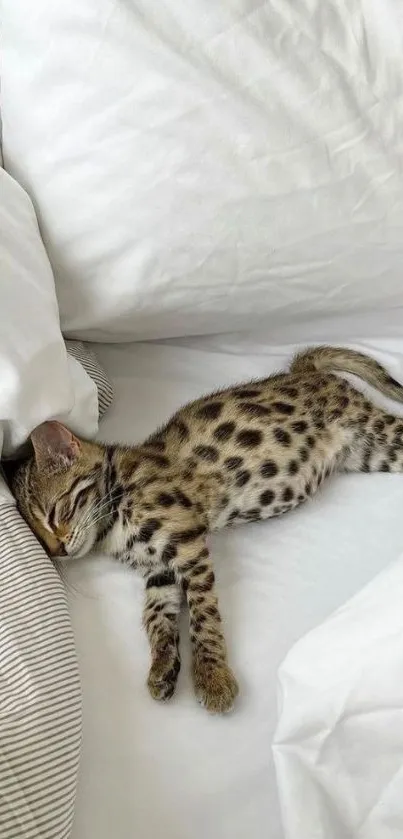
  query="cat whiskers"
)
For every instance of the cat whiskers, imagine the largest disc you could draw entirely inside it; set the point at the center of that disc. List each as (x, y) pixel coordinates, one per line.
(96, 514)
(103, 502)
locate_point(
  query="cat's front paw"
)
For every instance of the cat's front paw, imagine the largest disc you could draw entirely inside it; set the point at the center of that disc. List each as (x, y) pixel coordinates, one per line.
(215, 685)
(163, 674)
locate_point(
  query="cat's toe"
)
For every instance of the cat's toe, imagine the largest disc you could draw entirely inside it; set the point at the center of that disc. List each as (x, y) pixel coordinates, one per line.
(215, 685)
(162, 677)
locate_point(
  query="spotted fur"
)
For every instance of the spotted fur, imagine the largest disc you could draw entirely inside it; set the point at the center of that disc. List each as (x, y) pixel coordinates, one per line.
(247, 453)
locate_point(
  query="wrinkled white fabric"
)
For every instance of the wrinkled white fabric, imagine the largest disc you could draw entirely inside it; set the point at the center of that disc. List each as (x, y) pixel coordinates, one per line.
(339, 743)
(205, 167)
(38, 380)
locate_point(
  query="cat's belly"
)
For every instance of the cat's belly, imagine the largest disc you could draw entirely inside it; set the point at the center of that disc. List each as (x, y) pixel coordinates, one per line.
(232, 514)
(259, 501)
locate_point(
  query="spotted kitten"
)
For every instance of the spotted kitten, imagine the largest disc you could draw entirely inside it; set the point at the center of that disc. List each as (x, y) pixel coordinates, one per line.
(239, 455)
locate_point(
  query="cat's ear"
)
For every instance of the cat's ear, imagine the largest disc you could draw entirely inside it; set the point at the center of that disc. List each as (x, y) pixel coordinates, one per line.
(55, 447)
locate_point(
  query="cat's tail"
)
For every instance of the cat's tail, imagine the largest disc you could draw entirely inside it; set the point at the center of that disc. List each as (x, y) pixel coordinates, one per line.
(348, 361)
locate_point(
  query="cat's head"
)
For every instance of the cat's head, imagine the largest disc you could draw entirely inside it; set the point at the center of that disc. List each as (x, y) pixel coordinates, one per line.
(59, 490)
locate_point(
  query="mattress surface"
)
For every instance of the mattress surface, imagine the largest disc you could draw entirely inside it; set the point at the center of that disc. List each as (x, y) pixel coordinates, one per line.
(171, 770)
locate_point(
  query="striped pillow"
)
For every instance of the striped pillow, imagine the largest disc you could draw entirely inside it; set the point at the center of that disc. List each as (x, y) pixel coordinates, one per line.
(82, 353)
(40, 697)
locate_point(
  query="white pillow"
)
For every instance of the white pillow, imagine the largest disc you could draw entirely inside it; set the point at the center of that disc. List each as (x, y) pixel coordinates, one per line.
(200, 166)
(38, 380)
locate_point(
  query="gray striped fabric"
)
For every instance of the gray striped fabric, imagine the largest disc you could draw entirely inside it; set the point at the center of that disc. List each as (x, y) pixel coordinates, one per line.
(40, 700)
(40, 697)
(81, 352)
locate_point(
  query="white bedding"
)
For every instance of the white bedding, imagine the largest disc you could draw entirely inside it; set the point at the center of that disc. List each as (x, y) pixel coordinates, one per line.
(171, 771)
(197, 166)
(339, 743)
(38, 379)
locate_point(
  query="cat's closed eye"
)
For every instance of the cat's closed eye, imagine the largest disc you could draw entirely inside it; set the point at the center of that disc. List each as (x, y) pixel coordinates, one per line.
(80, 499)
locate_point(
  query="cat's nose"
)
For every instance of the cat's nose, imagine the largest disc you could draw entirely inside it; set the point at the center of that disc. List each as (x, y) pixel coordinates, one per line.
(61, 550)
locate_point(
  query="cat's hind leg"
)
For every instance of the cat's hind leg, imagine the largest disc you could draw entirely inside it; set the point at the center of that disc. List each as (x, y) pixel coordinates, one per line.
(377, 443)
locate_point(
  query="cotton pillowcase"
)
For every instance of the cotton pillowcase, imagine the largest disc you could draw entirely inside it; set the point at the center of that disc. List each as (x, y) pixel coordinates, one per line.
(205, 167)
(39, 381)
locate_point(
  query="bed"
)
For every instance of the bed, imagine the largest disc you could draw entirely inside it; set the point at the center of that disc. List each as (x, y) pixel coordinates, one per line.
(172, 770)
(195, 192)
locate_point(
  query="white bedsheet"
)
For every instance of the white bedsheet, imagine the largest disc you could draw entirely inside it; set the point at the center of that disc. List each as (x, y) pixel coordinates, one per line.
(172, 771)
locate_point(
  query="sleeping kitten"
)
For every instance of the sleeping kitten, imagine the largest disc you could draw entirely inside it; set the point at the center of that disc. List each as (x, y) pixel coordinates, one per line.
(239, 455)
